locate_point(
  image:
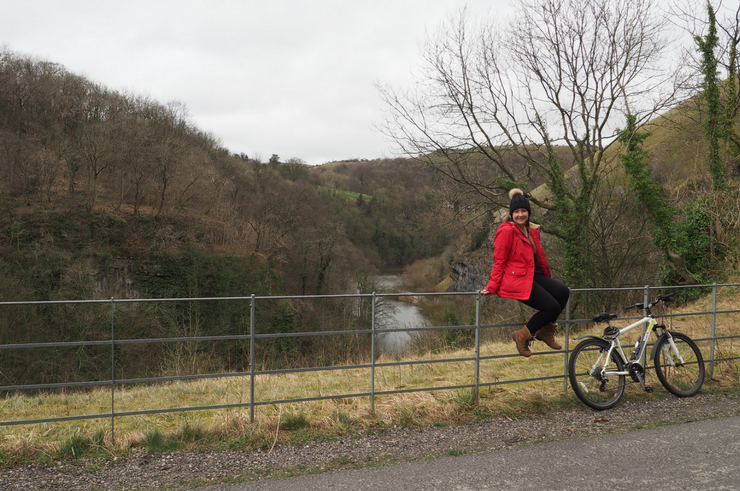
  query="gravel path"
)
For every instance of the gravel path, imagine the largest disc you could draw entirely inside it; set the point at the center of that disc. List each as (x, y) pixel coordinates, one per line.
(144, 471)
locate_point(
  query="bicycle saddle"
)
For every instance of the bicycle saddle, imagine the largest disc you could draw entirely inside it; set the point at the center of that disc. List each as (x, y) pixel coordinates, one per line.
(603, 317)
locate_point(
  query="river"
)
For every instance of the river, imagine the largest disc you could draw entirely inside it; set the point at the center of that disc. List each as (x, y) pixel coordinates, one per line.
(402, 314)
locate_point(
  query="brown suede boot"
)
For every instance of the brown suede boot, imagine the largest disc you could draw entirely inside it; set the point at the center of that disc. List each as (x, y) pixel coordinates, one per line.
(547, 334)
(522, 338)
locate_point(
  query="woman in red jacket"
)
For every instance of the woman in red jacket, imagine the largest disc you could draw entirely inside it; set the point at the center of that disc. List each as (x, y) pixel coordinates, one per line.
(520, 271)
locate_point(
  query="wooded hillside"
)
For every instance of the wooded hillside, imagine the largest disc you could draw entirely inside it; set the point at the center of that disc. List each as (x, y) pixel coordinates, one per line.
(72, 148)
(105, 194)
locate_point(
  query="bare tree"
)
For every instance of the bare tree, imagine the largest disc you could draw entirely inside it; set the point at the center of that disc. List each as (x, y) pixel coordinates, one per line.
(274, 209)
(96, 141)
(136, 180)
(294, 169)
(551, 88)
(168, 148)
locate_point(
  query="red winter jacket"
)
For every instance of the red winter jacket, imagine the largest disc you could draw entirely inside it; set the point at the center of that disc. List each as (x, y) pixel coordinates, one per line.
(512, 274)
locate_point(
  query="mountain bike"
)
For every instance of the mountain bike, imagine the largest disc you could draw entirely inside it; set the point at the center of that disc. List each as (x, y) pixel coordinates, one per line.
(598, 367)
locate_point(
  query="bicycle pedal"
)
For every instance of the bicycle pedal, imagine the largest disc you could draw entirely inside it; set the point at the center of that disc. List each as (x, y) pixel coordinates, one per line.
(648, 389)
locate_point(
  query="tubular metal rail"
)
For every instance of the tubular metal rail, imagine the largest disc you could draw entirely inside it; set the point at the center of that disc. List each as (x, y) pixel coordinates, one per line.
(373, 331)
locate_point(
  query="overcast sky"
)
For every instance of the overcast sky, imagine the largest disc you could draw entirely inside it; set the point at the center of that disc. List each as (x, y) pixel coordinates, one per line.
(288, 77)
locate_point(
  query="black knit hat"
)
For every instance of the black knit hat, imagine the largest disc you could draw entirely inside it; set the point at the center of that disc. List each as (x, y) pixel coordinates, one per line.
(518, 201)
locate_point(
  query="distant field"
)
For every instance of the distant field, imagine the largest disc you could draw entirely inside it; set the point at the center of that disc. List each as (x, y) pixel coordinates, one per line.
(340, 193)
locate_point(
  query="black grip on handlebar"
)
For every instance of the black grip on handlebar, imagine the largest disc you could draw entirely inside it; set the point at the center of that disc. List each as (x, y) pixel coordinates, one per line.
(603, 317)
(667, 298)
(635, 306)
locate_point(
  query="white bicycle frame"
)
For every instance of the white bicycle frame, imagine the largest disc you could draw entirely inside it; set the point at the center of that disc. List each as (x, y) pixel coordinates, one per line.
(642, 345)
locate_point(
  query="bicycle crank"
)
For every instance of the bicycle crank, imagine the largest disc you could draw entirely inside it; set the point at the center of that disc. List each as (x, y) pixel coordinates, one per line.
(637, 373)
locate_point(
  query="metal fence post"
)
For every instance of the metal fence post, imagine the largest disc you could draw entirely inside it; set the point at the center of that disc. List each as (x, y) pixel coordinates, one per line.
(713, 337)
(567, 345)
(477, 345)
(251, 359)
(645, 300)
(372, 356)
(112, 372)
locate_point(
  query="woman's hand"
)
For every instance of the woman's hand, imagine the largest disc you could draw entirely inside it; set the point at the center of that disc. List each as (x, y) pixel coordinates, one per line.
(485, 293)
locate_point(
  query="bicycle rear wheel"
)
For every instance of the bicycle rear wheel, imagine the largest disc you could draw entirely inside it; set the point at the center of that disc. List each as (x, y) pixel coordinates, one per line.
(681, 379)
(585, 367)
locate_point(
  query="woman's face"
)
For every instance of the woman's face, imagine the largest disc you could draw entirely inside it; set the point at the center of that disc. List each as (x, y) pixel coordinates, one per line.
(520, 216)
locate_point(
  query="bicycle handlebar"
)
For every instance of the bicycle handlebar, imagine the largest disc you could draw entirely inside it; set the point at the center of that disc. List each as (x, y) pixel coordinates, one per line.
(660, 298)
(604, 316)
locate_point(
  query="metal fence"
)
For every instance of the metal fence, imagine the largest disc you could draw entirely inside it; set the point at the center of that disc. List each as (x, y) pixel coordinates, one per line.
(252, 337)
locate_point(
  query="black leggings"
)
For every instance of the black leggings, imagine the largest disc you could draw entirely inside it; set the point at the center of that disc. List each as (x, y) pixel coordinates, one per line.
(549, 298)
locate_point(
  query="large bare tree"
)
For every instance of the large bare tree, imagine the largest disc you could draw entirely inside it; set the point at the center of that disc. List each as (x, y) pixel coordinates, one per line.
(549, 90)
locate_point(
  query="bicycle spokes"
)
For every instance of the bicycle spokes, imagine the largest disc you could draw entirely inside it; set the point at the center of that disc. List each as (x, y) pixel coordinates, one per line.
(587, 369)
(679, 365)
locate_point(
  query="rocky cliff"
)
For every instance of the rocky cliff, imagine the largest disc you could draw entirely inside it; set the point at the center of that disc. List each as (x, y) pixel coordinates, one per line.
(470, 274)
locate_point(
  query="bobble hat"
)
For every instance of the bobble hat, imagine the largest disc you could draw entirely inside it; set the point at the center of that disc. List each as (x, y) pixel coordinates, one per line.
(518, 201)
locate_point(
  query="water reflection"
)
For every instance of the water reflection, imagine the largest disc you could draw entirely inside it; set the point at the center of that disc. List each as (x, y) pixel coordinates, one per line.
(399, 314)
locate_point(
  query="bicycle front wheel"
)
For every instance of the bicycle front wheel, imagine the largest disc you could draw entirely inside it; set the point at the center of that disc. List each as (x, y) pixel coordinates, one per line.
(586, 369)
(681, 371)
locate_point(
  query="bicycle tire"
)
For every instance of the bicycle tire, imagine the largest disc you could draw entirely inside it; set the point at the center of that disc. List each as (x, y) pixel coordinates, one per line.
(593, 392)
(682, 381)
